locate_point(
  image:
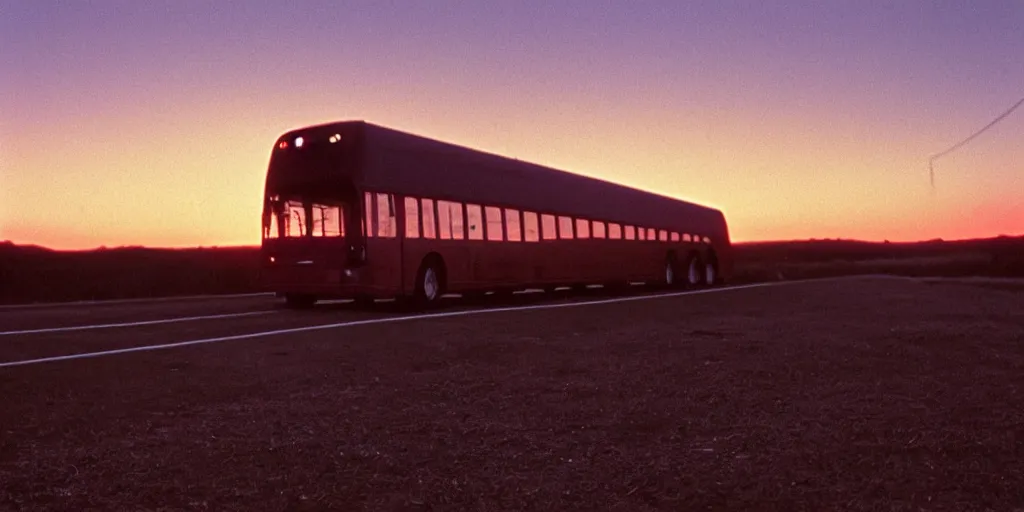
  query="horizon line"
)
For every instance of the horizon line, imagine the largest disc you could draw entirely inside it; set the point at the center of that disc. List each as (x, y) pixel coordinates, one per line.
(13, 243)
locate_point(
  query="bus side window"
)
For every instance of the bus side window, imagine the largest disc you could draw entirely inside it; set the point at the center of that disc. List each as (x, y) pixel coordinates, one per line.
(429, 219)
(686, 237)
(369, 216)
(630, 233)
(582, 228)
(675, 236)
(412, 217)
(475, 222)
(495, 229)
(531, 228)
(663, 235)
(513, 225)
(444, 220)
(548, 227)
(386, 222)
(598, 229)
(458, 217)
(565, 227)
(652, 234)
(641, 233)
(614, 231)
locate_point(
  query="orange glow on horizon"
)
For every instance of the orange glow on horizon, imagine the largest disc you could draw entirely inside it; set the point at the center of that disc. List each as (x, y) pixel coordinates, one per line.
(173, 128)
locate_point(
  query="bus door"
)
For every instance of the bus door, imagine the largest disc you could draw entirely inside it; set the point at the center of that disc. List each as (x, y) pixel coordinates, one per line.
(383, 245)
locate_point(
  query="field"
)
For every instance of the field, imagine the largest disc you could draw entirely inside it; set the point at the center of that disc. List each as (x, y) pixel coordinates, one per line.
(872, 393)
(31, 274)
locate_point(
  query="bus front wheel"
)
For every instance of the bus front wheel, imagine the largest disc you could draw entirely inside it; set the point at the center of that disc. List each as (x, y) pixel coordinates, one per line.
(430, 280)
(299, 301)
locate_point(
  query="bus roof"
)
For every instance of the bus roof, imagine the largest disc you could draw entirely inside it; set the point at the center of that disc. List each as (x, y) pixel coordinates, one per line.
(409, 164)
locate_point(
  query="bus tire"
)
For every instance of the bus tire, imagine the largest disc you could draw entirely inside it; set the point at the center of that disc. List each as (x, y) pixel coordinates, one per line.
(430, 280)
(299, 301)
(671, 277)
(711, 276)
(694, 271)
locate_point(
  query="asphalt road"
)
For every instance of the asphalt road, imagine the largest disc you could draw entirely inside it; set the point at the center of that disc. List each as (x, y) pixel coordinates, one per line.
(857, 394)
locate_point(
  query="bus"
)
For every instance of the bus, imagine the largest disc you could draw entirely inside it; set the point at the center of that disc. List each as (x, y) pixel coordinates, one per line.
(354, 210)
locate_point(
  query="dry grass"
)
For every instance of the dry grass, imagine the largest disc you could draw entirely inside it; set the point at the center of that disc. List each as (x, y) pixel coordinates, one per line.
(37, 275)
(875, 395)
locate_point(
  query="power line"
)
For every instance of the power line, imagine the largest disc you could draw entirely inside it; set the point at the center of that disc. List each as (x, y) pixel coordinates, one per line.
(931, 159)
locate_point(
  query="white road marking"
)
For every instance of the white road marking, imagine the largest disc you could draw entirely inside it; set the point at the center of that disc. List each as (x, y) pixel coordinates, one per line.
(386, 320)
(134, 324)
(144, 300)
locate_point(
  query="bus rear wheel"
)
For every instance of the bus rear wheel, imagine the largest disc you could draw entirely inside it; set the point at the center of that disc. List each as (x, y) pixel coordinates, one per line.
(694, 271)
(711, 274)
(671, 275)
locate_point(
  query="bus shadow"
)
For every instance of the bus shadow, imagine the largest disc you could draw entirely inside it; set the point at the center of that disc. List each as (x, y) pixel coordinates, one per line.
(487, 301)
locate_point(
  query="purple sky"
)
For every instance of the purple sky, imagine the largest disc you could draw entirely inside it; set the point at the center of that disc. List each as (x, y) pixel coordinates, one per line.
(799, 119)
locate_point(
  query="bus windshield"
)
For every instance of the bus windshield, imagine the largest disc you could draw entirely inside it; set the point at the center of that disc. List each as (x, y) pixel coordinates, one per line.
(296, 217)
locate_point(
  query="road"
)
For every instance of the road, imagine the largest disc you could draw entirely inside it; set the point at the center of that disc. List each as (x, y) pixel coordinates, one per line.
(853, 394)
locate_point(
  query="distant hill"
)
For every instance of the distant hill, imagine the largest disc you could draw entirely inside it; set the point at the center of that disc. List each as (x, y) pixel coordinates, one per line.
(1001, 256)
(827, 250)
(37, 274)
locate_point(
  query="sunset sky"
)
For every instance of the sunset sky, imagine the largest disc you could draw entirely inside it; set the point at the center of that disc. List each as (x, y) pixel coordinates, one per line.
(151, 123)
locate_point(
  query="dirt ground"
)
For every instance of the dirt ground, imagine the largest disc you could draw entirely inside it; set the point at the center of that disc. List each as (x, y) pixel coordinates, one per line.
(870, 394)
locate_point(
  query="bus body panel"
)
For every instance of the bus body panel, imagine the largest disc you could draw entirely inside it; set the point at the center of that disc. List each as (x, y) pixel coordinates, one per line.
(408, 164)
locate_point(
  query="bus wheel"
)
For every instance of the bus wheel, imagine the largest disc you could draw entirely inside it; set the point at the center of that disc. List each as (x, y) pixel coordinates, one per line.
(430, 280)
(694, 273)
(710, 273)
(299, 301)
(671, 279)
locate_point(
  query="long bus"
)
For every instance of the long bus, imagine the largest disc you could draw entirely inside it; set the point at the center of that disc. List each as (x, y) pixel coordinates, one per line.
(360, 211)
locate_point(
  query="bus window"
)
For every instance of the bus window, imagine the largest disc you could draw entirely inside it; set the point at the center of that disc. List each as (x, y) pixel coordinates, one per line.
(652, 234)
(531, 229)
(444, 220)
(450, 220)
(686, 237)
(675, 236)
(271, 225)
(369, 216)
(548, 225)
(582, 228)
(458, 220)
(630, 233)
(495, 230)
(327, 221)
(663, 235)
(598, 229)
(512, 225)
(412, 217)
(294, 219)
(565, 227)
(614, 231)
(429, 219)
(475, 222)
(641, 233)
(386, 222)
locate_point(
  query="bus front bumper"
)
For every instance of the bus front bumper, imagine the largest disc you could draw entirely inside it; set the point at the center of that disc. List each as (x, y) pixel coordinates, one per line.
(321, 282)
